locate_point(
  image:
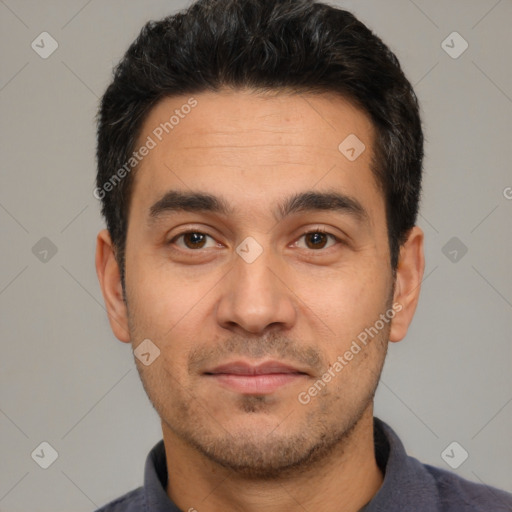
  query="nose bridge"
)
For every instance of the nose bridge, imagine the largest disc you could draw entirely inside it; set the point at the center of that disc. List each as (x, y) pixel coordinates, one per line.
(255, 276)
(255, 297)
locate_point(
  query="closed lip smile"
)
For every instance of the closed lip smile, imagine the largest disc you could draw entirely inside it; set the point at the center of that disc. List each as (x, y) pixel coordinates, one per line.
(261, 378)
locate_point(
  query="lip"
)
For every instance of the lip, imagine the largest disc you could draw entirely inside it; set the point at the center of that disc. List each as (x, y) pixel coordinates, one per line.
(263, 378)
(244, 368)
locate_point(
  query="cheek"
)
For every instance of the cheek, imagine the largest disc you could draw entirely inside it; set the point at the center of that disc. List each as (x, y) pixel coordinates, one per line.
(168, 309)
(347, 300)
(159, 295)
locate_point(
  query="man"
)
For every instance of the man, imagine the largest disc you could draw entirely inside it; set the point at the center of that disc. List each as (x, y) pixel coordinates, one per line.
(259, 166)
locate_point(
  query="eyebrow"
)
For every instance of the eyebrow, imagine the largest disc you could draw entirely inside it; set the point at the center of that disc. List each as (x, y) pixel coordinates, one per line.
(175, 200)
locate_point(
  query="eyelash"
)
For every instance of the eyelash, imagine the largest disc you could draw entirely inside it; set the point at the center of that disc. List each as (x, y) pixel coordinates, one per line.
(313, 231)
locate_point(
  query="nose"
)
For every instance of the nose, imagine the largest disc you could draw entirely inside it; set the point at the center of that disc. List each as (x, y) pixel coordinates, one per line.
(256, 298)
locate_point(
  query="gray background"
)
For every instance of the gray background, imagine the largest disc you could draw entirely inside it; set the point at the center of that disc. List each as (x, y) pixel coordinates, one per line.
(66, 380)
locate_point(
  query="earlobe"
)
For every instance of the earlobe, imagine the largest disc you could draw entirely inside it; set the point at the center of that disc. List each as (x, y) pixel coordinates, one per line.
(409, 275)
(109, 277)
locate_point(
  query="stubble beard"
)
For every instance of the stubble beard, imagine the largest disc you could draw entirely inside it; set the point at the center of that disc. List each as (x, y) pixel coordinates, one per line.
(287, 449)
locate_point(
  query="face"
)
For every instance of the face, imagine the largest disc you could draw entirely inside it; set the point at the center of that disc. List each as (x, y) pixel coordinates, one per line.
(257, 262)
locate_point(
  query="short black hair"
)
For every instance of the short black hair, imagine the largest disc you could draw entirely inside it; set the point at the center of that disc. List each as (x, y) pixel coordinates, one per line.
(269, 45)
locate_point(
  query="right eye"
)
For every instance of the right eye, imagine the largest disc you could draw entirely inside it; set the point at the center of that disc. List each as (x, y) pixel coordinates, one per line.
(192, 240)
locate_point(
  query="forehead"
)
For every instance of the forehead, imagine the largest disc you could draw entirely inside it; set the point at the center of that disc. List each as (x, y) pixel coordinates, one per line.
(253, 148)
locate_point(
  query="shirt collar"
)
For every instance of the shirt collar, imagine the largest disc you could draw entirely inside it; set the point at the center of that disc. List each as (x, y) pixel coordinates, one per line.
(407, 484)
(155, 481)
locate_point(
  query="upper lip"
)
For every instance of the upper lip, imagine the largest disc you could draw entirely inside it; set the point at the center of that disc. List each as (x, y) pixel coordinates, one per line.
(244, 368)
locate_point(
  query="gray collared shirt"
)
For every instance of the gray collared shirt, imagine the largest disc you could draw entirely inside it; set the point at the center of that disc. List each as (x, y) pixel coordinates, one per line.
(409, 485)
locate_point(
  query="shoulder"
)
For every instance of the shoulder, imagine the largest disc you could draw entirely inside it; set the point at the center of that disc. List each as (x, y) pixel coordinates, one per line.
(456, 494)
(132, 501)
(412, 485)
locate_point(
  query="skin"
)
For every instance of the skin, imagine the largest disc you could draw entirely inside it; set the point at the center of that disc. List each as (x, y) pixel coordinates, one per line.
(299, 302)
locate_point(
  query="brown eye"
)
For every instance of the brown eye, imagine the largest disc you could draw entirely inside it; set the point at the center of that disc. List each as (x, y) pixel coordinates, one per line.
(192, 240)
(316, 240)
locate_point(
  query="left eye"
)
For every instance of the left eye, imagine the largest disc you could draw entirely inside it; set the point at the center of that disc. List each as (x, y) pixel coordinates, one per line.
(317, 239)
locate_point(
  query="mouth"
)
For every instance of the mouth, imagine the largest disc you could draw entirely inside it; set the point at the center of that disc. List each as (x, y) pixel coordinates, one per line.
(255, 379)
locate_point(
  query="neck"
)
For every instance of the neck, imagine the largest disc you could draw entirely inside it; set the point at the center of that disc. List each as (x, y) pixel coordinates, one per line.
(345, 481)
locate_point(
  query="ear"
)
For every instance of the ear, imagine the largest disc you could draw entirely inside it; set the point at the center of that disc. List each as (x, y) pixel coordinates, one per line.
(409, 275)
(109, 277)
